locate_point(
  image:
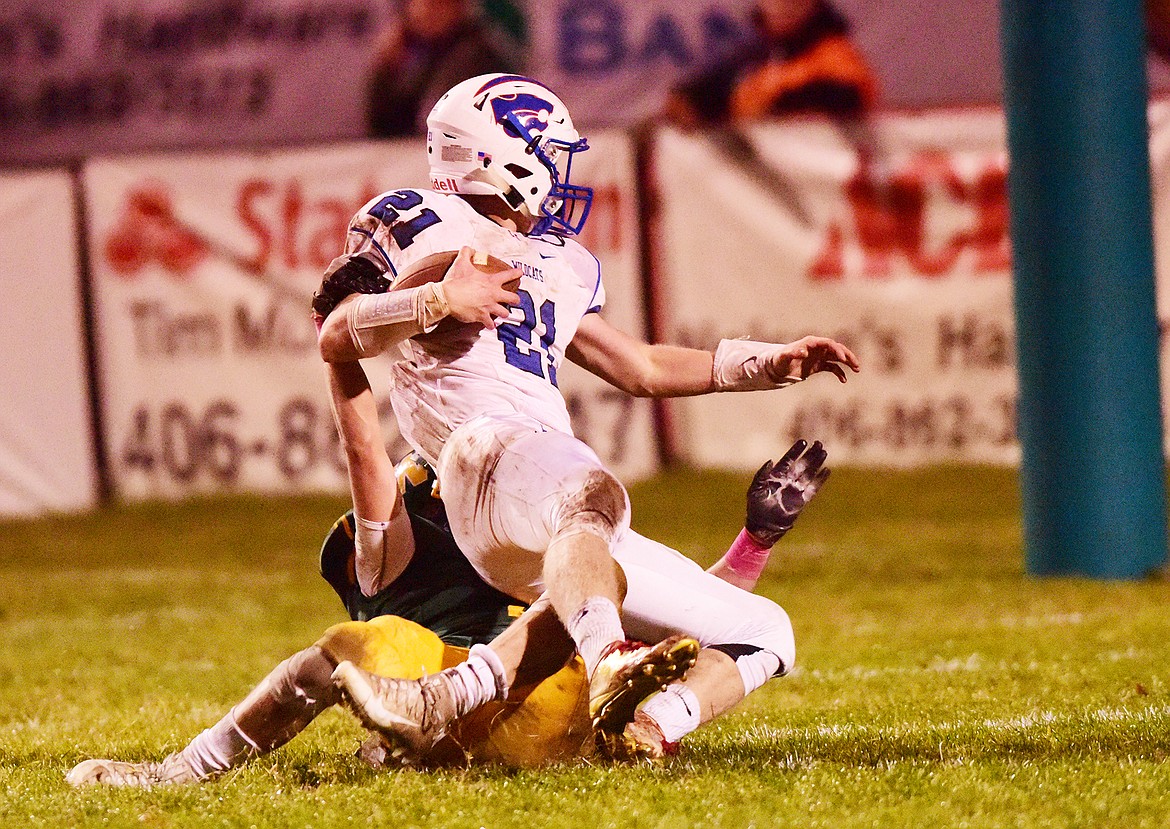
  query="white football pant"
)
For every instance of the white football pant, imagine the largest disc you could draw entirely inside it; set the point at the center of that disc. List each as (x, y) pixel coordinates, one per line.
(504, 480)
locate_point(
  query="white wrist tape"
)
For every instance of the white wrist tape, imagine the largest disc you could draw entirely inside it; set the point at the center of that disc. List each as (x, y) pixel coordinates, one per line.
(395, 316)
(742, 365)
(370, 553)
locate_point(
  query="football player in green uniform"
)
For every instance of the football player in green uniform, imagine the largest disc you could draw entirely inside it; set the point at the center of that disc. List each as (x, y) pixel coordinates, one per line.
(418, 608)
(426, 620)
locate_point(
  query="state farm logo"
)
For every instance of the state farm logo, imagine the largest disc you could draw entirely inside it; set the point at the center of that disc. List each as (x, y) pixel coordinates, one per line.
(148, 232)
(924, 216)
(276, 229)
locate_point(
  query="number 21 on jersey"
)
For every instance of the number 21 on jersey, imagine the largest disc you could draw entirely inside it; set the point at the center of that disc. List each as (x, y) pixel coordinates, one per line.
(520, 348)
(524, 348)
(390, 209)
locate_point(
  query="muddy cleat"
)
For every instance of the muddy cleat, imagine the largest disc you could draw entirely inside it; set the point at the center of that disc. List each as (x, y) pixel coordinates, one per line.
(628, 672)
(647, 738)
(172, 770)
(410, 715)
(642, 740)
(375, 753)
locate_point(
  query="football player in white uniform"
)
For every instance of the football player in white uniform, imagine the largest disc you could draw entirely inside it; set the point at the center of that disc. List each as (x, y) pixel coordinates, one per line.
(426, 617)
(532, 507)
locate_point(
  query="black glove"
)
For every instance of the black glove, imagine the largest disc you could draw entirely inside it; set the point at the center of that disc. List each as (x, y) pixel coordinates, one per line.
(779, 492)
(348, 275)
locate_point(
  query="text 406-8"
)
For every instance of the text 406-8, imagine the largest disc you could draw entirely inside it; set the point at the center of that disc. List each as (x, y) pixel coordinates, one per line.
(186, 443)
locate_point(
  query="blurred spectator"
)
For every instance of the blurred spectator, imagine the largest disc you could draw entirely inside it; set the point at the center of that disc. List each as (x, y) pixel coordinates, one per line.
(1158, 27)
(801, 60)
(432, 45)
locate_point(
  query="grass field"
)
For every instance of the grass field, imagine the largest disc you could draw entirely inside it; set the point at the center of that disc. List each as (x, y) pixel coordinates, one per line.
(936, 686)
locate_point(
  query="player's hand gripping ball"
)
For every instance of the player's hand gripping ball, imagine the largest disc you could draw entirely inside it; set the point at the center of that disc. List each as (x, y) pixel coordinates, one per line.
(438, 267)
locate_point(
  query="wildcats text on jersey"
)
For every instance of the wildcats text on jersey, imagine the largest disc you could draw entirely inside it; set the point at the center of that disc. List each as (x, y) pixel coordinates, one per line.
(528, 271)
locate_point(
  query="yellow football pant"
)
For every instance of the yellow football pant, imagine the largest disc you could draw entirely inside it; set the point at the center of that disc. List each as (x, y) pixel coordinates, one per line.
(543, 723)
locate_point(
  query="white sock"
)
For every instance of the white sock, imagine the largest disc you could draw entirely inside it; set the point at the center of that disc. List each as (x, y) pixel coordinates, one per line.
(473, 682)
(496, 665)
(596, 625)
(676, 710)
(757, 668)
(217, 749)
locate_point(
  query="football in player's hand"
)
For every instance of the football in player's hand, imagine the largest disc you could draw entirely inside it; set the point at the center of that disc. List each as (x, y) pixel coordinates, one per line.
(433, 268)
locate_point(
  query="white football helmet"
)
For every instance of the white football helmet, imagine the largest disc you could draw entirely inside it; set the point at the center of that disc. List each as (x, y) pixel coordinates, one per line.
(509, 136)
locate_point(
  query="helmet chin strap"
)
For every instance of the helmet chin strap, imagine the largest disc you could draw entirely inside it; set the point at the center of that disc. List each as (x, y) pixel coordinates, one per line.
(508, 192)
(498, 210)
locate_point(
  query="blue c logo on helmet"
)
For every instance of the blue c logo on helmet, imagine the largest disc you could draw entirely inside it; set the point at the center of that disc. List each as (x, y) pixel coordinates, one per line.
(529, 110)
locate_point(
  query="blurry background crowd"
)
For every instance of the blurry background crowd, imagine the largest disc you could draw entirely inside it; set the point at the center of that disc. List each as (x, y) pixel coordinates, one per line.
(91, 76)
(185, 170)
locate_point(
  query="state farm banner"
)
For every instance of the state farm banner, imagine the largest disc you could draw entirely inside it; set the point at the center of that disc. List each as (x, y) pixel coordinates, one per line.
(203, 268)
(46, 443)
(893, 239)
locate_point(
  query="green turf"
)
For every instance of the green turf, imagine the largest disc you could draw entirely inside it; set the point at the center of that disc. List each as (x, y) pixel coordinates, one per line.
(936, 686)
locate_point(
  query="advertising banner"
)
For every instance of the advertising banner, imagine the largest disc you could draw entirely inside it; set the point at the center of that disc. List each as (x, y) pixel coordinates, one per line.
(46, 442)
(80, 78)
(614, 62)
(891, 237)
(203, 268)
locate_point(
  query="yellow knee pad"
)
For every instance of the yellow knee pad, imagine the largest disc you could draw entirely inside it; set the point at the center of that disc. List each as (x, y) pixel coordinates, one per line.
(390, 646)
(539, 724)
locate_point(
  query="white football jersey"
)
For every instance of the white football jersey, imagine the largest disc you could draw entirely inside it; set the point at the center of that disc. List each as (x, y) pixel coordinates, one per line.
(446, 379)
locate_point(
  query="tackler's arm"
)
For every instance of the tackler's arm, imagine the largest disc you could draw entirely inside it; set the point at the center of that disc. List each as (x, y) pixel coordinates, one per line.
(777, 495)
(372, 322)
(384, 539)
